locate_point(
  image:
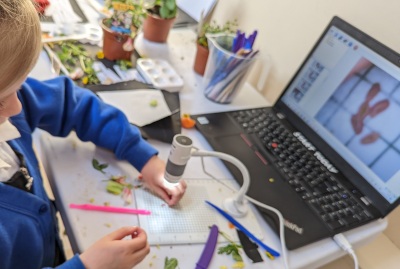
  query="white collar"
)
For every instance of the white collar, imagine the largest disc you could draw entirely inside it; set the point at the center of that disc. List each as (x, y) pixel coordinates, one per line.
(8, 131)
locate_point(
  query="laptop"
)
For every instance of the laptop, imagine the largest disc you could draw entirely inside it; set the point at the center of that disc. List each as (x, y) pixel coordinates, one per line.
(327, 154)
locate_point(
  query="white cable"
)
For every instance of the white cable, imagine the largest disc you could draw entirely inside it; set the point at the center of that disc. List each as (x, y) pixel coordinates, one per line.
(276, 211)
(281, 227)
(236, 206)
(342, 242)
(229, 158)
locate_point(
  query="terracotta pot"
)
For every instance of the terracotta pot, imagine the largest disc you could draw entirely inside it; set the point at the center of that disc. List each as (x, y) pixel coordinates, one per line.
(113, 44)
(156, 29)
(200, 60)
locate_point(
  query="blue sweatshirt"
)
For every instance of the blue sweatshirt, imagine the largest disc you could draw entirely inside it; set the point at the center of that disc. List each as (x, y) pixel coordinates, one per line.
(27, 222)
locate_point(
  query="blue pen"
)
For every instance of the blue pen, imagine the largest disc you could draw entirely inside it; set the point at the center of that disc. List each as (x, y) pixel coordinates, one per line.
(238, 41)
(244, 230)
(252, 38)
(235, 41)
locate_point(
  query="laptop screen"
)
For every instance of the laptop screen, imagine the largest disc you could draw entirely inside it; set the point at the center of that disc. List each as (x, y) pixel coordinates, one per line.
(350, 96)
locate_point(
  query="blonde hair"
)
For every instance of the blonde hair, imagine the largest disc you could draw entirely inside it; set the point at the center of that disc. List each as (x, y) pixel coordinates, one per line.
(20, 40)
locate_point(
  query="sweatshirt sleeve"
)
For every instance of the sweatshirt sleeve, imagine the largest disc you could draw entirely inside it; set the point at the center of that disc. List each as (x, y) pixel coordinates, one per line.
(58, 106)
(73, 263)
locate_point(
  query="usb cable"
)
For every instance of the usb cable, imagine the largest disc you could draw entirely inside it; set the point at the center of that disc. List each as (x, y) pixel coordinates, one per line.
(342, 241)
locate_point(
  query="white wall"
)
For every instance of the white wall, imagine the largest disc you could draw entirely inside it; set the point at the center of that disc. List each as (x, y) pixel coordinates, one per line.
(289, 28)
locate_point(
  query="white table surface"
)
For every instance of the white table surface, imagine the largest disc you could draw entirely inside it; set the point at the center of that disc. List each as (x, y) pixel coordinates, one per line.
(68, 164)
(67, 161)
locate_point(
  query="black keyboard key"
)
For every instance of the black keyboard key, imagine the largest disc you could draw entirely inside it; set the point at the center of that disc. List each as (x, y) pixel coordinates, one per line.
(335, 224)
(349, 220)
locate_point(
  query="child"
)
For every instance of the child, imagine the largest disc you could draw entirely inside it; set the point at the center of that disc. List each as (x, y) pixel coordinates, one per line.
(28, 234)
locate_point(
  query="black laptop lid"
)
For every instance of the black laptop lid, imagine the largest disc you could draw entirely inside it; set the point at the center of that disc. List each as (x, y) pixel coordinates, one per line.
(346, 99)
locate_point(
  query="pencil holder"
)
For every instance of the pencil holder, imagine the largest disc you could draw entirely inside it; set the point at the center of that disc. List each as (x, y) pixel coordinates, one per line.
(225, 71)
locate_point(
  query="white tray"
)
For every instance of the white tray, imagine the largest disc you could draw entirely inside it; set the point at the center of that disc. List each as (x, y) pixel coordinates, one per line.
(160, 74)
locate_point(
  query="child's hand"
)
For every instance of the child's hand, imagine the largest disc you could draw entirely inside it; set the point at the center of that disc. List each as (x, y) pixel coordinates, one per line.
(111, 252)
(152, 176)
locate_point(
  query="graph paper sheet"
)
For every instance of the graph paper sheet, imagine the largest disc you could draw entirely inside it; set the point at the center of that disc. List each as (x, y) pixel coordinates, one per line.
(189, 221)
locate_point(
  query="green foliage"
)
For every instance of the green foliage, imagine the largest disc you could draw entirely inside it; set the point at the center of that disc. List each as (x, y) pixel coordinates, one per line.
(170, 263)
(98, 166)
(214, 28)
(72, 54)
(117, 185)
(165, 9)
(231, 249)
(124, 64)
(87, 66)
(114, 187)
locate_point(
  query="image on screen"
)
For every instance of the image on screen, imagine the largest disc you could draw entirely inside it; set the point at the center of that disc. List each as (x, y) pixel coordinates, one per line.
(363, 114)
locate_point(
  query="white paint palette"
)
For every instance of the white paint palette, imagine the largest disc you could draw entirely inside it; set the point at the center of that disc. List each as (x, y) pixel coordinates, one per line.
(189, 221)
(160, 74)
(85, 33)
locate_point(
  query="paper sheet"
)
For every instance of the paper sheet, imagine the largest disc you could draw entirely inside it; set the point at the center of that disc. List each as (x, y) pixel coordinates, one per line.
(194, 8)
(62, 12)
(136, 104)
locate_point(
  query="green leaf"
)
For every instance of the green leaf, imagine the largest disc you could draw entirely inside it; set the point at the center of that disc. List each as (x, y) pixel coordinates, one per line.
(214, 28)
(98, 166)
(164, 12)
(171, 5)
(237, 257)
(170, 263)
(231, 249)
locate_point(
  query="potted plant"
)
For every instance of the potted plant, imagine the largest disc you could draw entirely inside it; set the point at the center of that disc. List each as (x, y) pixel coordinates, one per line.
(121, 28)
(159, 20)
(201, 57)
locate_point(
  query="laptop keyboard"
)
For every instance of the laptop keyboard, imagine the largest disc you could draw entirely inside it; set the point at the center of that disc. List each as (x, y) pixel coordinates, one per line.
(329, 199)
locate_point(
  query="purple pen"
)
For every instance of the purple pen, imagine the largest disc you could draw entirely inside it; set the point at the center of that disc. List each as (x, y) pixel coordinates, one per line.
(209, 248)
(238, 41)
(252, 38)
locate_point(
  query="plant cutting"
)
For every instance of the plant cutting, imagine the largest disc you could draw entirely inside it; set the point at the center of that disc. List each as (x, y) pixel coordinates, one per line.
(121, 28)
(202, 51)
(159, 20)
(75, 61)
